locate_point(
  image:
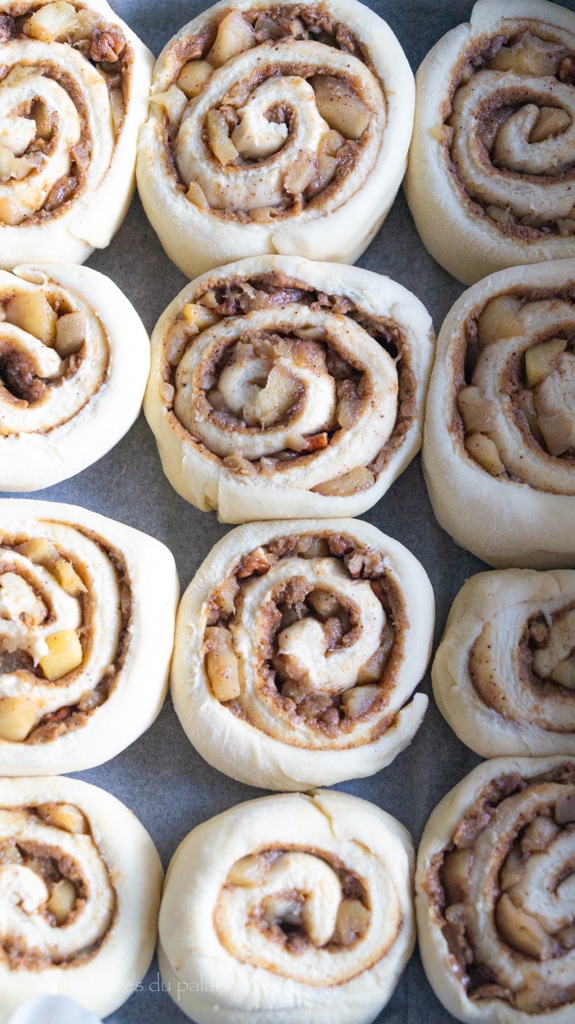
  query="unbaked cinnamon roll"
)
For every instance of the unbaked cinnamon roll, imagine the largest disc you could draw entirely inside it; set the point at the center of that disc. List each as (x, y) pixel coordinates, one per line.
(297, 647)
(87, 609)
(74, 361)
(285, 388)
(504, 673)
(74, 86)
(494, 885)
(80, 884)
(292, 908)
(275, 128)
(490, 180)
(499, 447)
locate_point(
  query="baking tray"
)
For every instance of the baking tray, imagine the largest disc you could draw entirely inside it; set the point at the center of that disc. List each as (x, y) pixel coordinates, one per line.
(161, 777)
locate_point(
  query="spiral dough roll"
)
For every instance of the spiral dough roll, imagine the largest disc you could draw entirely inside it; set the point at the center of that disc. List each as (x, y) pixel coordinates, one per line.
(504, 673)
(494, 894)
(297, 645)
(74, 361)
(87, 609)
(80, 884)
(275, 128)
(499, 447)
(74, 85)
(285, 388)
(290, 909)
(490, 180)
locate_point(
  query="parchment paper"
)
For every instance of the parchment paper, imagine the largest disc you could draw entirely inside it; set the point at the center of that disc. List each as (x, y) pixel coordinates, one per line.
(160, 777)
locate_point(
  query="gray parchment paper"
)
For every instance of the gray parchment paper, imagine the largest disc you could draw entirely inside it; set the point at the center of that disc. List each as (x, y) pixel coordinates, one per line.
(160, 777)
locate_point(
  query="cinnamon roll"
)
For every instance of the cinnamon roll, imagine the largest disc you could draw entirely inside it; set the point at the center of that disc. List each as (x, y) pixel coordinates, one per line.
(74, 86)
(285, 388)
(275, 128)
(494, 893)
(74, 361)
(80, 885)
(499, 448)
(504, 673)
(297, 647)
(490, 180)
(293, 908)
(80, 627)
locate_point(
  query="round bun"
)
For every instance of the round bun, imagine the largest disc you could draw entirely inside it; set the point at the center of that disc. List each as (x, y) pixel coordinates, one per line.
(285, 388)
(495, 914)
(73, 96)
(490, 176)
(499, 429)
(88, 608)
(290, 909)
(75, 362)
(275, 128)
(297, 647)
(80, 895)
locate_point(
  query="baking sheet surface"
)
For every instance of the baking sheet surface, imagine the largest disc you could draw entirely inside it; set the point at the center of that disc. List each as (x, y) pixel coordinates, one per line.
(163, 780)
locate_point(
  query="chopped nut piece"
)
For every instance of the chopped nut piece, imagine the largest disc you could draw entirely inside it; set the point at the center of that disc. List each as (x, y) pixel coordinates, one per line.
(484, 451)
(17, 717)
(234, 36)
(222, 664)
(62, 899)
(32, 312)
(193, 76)
(64, 654)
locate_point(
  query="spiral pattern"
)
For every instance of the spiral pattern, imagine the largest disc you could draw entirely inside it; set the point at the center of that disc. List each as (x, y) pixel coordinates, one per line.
(504, 675)
(80, 884)
(73, 82)
(305, 647)
(68, 625)
(498, 97)
(495, 884)
(267, 121)
(501, 415)
(318, 905)
(74, 359)
(269, 393)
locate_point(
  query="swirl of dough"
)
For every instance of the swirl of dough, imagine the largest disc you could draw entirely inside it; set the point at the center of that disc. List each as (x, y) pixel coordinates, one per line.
(75, 631)
(292, 908)
(275, 129)
(80, 884)
(300, 643)
(494, 140)
(504, 675)
(281, 387)
(74, 361)
(74, 82)
(500, 426)
(494, 893)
